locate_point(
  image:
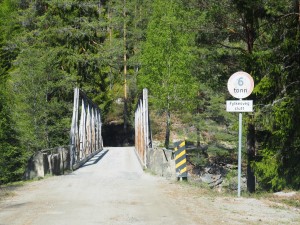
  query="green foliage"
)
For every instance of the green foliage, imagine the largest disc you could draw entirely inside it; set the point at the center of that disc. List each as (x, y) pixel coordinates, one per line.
(279, 158)
(60, 44)
(215, 150)
(42, 115)
(12, 156)
(231, 182)
(12, 163)
(267, 170)
(278, 94)
(167, 57)
(199, 160)
(226, 137)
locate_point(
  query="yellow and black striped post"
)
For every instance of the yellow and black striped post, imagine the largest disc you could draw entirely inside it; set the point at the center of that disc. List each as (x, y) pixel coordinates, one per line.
(180, 159)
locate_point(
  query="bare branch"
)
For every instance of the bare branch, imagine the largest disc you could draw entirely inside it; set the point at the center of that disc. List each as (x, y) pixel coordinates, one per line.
(289, 85)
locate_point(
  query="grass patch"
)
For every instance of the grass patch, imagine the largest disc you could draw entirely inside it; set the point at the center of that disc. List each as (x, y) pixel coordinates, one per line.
(295, 202)
(202, 189)
(8, 190)
(148, 171)
(5, 193)
(292, 201)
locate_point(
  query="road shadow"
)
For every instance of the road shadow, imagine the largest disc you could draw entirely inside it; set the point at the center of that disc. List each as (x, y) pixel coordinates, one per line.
(95, 159)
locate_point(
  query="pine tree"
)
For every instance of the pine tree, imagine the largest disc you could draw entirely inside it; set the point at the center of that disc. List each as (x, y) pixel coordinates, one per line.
(278, 93)
(61, 47)
(12, 155)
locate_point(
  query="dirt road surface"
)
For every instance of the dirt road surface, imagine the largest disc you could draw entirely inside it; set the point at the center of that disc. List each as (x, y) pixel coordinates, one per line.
(112, 189)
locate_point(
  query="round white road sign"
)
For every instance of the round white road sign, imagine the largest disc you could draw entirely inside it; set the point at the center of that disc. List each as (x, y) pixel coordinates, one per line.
(240, 85)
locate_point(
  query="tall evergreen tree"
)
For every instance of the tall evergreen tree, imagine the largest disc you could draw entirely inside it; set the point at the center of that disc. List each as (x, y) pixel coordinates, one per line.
(167, 58)
(12, 156)
(61, 48)
(278, 93)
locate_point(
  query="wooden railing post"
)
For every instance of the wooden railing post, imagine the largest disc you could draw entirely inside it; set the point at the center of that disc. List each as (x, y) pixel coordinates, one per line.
(74, 138)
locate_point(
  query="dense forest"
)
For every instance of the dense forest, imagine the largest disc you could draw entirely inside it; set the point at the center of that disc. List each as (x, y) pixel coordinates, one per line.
(183, 51)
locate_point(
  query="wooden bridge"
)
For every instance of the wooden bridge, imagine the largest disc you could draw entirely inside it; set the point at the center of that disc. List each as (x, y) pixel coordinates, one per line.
(86, 139)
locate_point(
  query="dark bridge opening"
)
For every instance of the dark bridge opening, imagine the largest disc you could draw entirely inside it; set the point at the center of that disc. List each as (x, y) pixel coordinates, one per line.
(114, 135)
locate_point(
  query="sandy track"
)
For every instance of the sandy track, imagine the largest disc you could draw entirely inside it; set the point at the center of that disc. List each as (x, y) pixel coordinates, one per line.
(112, 189)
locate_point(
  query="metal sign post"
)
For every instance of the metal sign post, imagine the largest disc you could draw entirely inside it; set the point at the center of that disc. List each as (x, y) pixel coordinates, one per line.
(240, 153)
(240, 85)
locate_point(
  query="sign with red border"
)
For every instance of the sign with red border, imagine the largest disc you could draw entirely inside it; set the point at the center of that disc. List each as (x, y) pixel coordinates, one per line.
(240, 85)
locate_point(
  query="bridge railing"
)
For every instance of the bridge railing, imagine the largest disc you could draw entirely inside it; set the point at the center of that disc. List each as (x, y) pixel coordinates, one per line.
(85, 136)
(143, 138)
(85, 142)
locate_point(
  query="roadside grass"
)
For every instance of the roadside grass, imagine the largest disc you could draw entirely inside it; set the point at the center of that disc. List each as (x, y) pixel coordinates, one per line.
(293, 201)
(9, 189)
(148, 171)
(5, 193)
(202, 189)
(278, 200)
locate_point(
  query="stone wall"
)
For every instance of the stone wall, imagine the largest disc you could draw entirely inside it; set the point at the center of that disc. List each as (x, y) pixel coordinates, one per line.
(161, 162)
(53, 161)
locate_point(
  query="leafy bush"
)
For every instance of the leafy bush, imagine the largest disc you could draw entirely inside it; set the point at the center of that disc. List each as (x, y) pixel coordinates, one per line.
(199, 160)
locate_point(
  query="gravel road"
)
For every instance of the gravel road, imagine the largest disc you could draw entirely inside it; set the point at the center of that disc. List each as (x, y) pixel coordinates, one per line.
(112, 189)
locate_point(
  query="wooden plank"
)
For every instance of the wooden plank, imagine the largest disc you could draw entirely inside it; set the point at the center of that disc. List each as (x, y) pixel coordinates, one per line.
(88, 131)
(74, 127)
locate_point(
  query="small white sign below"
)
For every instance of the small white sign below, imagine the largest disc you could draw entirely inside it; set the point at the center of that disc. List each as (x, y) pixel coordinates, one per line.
(239, 106)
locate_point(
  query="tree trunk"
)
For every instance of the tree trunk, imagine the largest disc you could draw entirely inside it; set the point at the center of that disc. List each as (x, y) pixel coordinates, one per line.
(168, 128)
(110, 31)
(251, 157)
(250, 29)
(198, 137)
(125, 67)
(198, 121)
